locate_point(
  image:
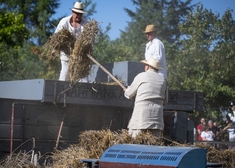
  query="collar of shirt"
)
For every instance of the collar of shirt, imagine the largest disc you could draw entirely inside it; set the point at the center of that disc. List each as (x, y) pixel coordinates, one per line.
(151, 42)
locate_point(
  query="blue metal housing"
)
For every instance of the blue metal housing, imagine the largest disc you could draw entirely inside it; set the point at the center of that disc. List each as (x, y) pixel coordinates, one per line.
(171, 156)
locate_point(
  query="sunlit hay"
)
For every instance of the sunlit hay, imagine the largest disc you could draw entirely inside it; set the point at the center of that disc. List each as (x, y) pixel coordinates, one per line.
(208, 147)
(75, 49)
(224, 157)
(70, 157)
(62, 40)
(79, 63)
(147, 138)
(20, 159)
(228, 158)
(96, 142)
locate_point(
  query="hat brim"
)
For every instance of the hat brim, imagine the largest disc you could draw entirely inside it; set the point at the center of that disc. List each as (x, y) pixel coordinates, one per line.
(78, 11)
(146, 63)
(150, 30)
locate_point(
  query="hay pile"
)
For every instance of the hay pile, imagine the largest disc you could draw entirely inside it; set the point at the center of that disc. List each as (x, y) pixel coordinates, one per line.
(61, 41)
(75, 49)
(21, 159)
(79, 63)
(92, 144)
(225, 157)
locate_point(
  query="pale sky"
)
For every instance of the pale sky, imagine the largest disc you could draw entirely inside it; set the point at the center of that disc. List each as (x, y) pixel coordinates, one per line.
(112, 11)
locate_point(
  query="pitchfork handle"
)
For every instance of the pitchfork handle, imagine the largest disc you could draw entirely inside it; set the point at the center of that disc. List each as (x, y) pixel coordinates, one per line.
(105, 70)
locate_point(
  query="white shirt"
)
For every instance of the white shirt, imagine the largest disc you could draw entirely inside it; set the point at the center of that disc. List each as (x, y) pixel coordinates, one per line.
(207, 135)
(65, 23)
(155, 49)
(232, 116)
(231, 134)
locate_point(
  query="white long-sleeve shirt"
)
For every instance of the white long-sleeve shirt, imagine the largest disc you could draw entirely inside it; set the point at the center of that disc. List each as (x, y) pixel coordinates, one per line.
(155, 49)
(65, 24)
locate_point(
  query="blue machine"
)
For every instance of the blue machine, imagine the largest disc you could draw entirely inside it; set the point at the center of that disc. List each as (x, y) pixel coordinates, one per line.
(157, 156)
(149, 156)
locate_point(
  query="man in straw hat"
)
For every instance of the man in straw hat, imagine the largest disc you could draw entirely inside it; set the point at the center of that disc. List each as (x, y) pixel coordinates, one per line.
(155, 49)
(75, 24)
(151, 92)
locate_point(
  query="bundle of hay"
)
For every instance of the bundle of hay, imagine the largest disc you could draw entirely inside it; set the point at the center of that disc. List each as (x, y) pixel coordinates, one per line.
(79, 63)
(75, 49)
(63, 41)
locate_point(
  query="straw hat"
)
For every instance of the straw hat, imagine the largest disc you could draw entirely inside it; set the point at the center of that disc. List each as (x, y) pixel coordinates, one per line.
(78, 8)
(152, 63)
(150, 28)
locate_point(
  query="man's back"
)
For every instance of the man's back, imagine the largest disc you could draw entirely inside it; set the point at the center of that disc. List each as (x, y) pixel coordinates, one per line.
(152, 87)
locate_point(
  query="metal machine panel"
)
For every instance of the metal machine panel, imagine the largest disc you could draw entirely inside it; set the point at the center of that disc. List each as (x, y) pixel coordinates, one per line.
(185, 101)
(126, 71)
(160, 156)
(22, 89)
(85, 93)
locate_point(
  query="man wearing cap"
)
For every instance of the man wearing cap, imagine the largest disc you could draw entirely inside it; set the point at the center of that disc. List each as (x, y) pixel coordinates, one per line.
(155, 49)
(151, 92)
(75, 24)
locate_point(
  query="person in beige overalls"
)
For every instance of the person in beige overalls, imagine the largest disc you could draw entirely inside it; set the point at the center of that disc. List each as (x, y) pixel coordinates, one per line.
(150, 89)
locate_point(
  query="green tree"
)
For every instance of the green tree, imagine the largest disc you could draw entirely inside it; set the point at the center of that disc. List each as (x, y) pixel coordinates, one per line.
(36, 16)
(107, 51)
(12, 29)
(205, 62)
(23, 24)
(12, 34)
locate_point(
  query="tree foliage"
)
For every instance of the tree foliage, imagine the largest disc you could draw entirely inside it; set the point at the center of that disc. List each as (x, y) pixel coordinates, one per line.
(37, 16)
(205, 62)
(13, 33)
(24, 24)
(107, 51)
(12, 29)
(164, 14)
